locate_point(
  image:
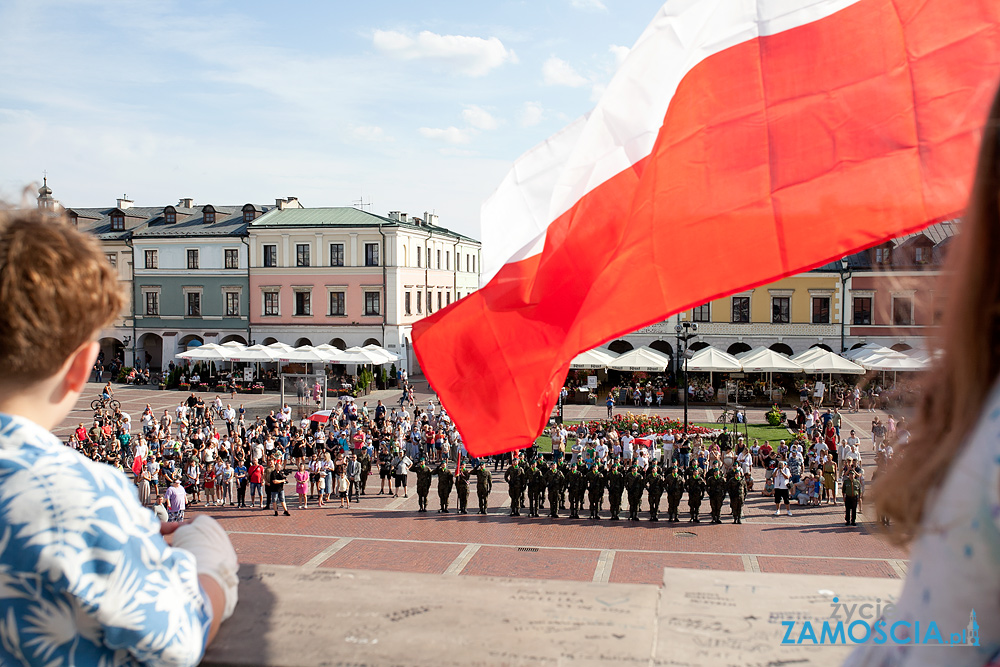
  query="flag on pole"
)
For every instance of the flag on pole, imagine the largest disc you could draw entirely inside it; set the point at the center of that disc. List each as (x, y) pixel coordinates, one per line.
(138, 463)
(739, 142)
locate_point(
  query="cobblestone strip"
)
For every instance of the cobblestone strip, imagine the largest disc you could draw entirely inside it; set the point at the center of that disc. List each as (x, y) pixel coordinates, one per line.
(750, 563)
(898, 566)
(462, 560)
(605, 562)
(323, 555)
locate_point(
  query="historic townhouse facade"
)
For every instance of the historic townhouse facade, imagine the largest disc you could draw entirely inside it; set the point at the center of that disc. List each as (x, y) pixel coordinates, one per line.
(113, 227)
(191, 279)
(884, 294)
(346, 277)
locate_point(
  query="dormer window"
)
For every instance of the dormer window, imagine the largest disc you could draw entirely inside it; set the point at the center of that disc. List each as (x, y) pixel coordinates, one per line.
(209, 214)
(883, 255)
(117, 222)
(920, 255)
(169, 215)
(248, 216)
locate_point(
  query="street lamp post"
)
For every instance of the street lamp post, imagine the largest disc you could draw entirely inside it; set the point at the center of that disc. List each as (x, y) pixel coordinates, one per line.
(685, 332)
(845, 275)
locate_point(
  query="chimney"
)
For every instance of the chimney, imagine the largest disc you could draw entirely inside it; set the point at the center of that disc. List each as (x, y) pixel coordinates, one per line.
(402, 217)
(124, 203)
(186, 203)
(431, 219)
(394, 215)
(290, 202)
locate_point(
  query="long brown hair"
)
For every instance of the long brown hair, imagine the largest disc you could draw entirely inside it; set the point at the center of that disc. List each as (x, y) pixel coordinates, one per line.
(968, 362)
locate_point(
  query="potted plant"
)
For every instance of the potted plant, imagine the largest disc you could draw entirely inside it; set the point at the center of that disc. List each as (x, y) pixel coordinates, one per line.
(184, 386)
(257, 388)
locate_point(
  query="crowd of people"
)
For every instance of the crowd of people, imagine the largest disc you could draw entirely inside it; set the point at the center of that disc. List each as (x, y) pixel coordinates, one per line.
(212, 454)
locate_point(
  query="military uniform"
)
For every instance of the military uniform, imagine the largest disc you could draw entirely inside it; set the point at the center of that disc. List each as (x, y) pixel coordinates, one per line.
(556, 482)
(564, 468)
(536, 488)
(424, 474)
(366, 469)
(716, 492)
(852, 493)
(635, 483)
(577, 483)
(595, 491)
(616, 486)
(675, 484)
(462, 488)
(696, 491)
(514, 476)
(484, 484)
(446, 479)
(737, 493)
(655, 485)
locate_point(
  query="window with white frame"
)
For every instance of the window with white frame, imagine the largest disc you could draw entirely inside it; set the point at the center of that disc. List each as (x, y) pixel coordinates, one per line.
(272, 303)
(112, 259)
(902, 311)
(371, 254)
(152, 259)
(152, 298)
(702, 313)
(338, 303)
(406, 303)
(821, 310)
(192, 298)
(232, 258)
(232, 297)
(781, 309)
(373, 303)
(336, 254)
(741, 310)
(420, 295)
(192, 258)
(270, 255)
(303, 302)
(301, 254)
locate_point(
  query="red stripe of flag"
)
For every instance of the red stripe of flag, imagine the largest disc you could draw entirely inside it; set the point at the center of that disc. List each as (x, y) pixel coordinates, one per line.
(775, 156)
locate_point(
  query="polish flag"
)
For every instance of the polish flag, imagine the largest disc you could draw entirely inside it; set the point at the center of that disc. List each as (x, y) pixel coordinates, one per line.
(741, 141)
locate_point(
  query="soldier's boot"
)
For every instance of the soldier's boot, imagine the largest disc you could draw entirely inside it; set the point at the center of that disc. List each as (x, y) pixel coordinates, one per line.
(697, 515)
(554, 510)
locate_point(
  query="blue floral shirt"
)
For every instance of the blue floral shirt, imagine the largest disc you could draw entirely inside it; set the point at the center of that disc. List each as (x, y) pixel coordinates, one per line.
(85, 577)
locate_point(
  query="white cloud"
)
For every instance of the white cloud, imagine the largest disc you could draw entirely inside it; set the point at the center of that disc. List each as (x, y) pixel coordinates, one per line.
(620, 53)
(471, 56)
(479, 118)
(558, 72)
(372, 133)
(449, 135)
(532, 114)
(589, 5)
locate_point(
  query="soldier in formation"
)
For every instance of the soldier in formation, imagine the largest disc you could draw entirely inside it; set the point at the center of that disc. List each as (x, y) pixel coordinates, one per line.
(696, 491)
(536, 488)
(737, 487)
(675, 484)
(595, 491)
(655, 486)
(556, 484)
(635, 484)
(446, 479)
(716, 484)
(462, 488)
(577, 488)
(484, 484)
(515, 478)
(424, 474)
(616, 487)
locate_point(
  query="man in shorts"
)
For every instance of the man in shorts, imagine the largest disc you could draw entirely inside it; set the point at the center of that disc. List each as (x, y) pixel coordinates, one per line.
(782, 478)
(401, 468)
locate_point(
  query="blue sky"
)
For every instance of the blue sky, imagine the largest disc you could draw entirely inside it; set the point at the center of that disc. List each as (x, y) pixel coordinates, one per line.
(416, 106)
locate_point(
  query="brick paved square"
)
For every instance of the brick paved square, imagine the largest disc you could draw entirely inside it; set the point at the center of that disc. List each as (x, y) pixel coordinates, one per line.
(543, 564)
(395, 556)
(647, 568)
(281, 550)
(832, 566)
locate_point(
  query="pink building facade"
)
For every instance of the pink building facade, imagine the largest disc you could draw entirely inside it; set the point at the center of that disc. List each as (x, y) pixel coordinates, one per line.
(347, 277)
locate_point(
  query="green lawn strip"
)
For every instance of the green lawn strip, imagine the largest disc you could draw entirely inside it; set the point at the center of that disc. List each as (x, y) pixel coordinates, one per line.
(760, 431)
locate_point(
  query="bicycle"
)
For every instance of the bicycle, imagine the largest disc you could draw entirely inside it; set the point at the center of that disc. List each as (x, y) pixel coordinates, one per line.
(725, 417)
(105, 403)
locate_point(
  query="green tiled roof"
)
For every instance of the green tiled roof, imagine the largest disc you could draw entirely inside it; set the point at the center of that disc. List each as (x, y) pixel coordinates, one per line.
(340, 216)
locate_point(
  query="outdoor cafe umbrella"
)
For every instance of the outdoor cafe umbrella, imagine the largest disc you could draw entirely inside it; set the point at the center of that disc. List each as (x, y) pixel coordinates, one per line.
(641, 359)
(710, 359)
(765, 360)
(207, 352)
(390, 358)
(360, 355)
(592, 359)
(820, 361)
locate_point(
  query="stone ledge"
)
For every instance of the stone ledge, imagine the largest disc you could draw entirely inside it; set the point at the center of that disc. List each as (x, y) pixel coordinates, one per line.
(316, 618)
